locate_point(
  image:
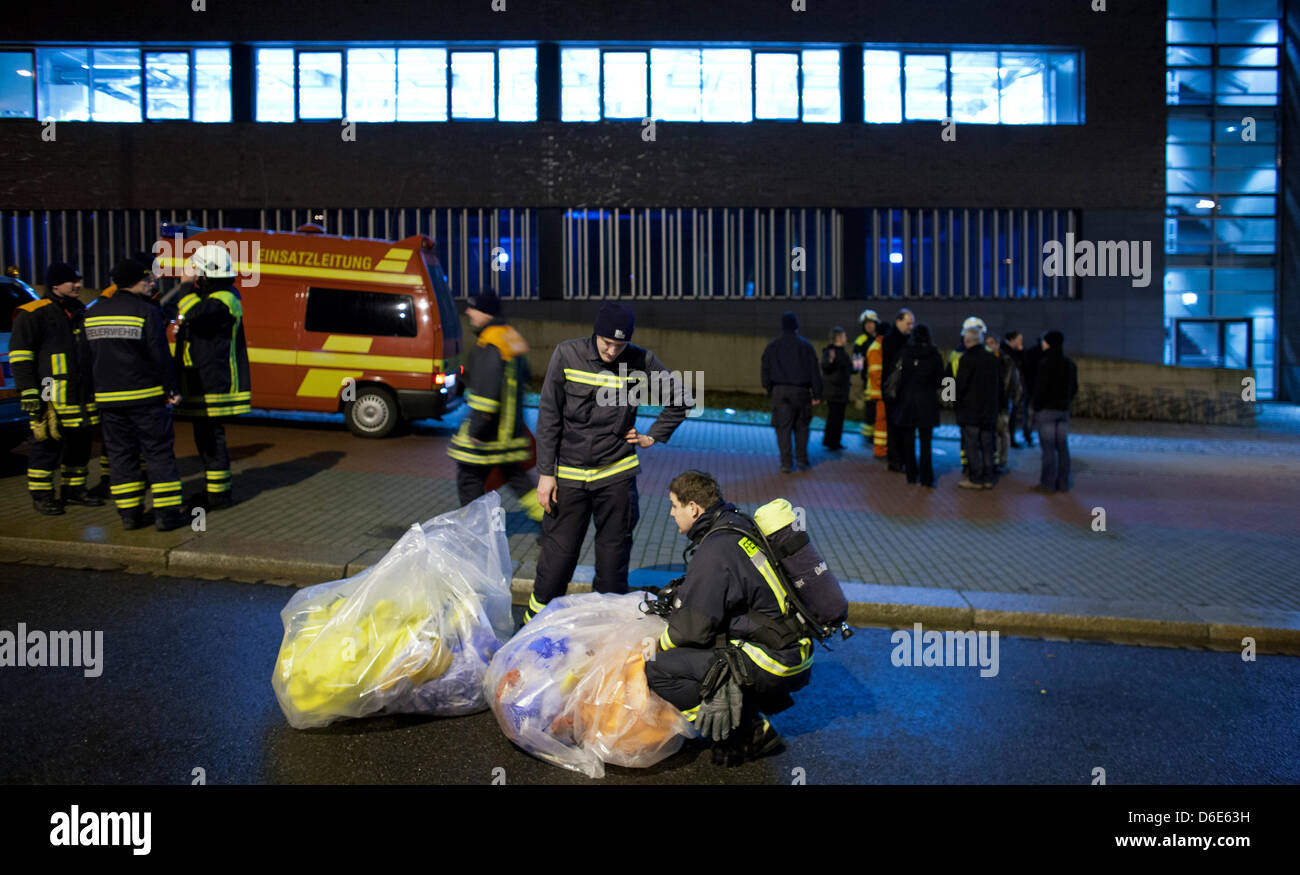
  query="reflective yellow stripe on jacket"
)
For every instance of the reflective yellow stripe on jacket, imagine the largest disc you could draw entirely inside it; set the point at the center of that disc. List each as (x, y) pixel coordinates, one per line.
(590, 475)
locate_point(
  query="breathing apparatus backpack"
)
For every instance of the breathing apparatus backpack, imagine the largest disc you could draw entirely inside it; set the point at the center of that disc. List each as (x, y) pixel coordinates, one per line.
(815, 603)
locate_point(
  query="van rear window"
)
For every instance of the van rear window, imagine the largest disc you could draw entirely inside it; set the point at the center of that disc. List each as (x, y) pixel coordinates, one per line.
(343, 311)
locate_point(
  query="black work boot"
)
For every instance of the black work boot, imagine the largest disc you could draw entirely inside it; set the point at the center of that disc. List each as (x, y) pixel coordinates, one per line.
(763, 740)
(132, 518)
(46, 503)
(103, 489)
(168, 518)
(211, 500)
(81, 495)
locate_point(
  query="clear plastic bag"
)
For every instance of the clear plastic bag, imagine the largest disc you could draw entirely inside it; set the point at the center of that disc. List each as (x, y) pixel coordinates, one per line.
(412, 634)
(570, 687)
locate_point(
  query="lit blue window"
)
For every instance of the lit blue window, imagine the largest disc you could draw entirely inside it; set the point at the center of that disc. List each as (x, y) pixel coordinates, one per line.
(1264, 131)
(1188, 131)
(1246, 87)
(1024, 89)
(580, 85)
(926, 96)
(1191, 8)
(1248, 206)
(675, 84)
(17, 95)
(1241, 56)
(115, 80)
(1188, 86)
(975, 87)
(1188, 56)
(518, 88)
(1246, 182)
(1189, 31)
(728, 85)
(320, 85)
(821, 85)
(211, 85)
(274, 85)
(422, 85)
(625, 85)
(372, 85)
(1256, 32)
(167, 85)
(473, 85)
(776, 85)
(1244, 156)
(882, 86)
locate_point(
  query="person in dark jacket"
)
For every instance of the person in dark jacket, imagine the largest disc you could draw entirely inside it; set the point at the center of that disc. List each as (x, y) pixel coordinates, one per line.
(494, 435)
(916, 409)
(1013, 348)
(1028, 373)
(50, 361)
(979, 385)
(728, 607)
(135, 388)
(1055, 385)
(587, 445)
(792, 378)
(837, 370)
(891, 344)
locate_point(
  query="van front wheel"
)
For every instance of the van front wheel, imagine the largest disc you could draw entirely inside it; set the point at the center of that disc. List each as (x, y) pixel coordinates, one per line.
(373, 415)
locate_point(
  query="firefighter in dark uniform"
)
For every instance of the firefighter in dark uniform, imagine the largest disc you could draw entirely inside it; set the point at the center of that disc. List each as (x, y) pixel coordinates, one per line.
(212, 361)
(728, 612)
(494, 434)
(135, 386)
(586, 450)
(51, 367)
(147, 259)
(792, 378)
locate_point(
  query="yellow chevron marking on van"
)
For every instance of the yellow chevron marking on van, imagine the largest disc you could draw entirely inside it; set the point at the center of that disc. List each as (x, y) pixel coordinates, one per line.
(347, 343)
(410, 364)
(263, 356)
(369, 362)
(390, 265)
(324, 383)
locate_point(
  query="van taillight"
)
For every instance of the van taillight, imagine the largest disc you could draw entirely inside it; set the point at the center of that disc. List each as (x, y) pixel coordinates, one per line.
(439, 379)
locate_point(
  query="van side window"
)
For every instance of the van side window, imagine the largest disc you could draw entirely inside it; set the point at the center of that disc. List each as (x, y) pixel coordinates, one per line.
(343, 311)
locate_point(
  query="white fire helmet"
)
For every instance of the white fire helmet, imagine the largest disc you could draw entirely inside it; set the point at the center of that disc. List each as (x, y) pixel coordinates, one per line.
(974, 322)
(212, 262)
(868, 314)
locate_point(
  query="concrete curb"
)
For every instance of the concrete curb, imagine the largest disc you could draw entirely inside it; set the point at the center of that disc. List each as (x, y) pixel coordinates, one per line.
(873, 605)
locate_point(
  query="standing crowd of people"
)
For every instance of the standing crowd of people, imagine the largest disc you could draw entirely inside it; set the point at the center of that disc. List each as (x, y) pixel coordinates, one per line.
(106, 367)
(996, 388)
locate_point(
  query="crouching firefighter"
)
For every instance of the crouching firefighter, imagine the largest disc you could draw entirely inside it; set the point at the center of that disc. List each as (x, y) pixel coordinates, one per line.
(737, 643)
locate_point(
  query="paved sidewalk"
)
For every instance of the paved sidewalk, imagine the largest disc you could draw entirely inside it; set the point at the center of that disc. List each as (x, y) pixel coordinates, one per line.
(1199, 546)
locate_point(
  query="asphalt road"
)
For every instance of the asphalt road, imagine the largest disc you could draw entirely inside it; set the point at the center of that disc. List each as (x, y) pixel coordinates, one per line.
(186, 685)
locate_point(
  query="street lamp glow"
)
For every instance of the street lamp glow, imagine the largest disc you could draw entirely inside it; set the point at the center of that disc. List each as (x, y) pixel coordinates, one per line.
(895, 258)
(1205, 204)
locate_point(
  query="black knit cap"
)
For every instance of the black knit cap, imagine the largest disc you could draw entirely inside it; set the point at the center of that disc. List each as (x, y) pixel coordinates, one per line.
(789, 321)
(486, 302)
(615, 321)
(61, 272)
(128, 273)
(1055, 339)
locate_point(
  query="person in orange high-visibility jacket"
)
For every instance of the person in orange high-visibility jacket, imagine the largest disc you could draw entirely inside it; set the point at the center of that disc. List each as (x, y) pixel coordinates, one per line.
(875, 364)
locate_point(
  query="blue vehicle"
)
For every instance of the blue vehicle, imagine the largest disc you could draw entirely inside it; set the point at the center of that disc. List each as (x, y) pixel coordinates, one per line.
(13, 422)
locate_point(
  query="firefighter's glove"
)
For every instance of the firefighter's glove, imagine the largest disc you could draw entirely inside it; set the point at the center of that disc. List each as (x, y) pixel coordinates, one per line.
(719, 714)
(721, 696)
(31, 404)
